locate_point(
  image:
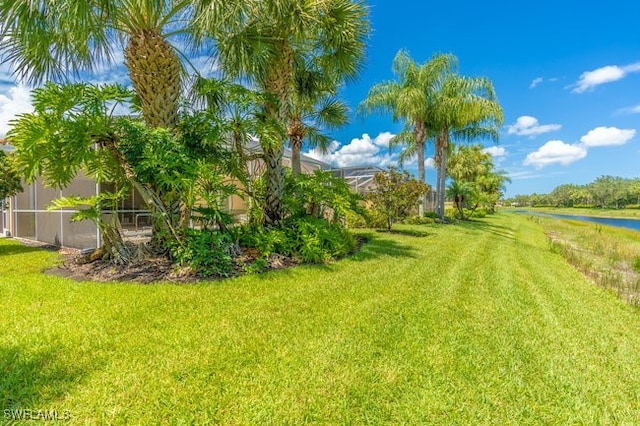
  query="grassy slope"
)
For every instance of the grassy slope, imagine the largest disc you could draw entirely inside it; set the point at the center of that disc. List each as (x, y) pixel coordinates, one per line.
(478, 323)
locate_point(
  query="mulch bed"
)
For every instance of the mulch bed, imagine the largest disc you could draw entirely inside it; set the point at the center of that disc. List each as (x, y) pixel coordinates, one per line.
(154, 269)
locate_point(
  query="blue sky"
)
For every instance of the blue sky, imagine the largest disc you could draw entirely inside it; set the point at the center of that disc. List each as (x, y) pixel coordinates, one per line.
(567, 74)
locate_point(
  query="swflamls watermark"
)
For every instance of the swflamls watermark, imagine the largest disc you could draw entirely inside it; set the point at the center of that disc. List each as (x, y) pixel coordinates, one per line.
(41, 415)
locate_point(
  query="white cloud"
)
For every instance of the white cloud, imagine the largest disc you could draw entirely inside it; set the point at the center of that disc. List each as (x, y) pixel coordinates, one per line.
(535, 82)
(496, 151)
(555, 152)
(382, 139)
(524, 175)
(16, 101)
(630, 110)
(529, 126)
(607, 136)
(430, 163)
(359, 152)
(590, 79)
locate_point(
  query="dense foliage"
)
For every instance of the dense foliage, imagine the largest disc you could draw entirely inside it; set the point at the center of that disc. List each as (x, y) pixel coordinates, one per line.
(475, 180)
(10, 182)
(604, 192)
(284, 62)
(396, 195)
(316, 207)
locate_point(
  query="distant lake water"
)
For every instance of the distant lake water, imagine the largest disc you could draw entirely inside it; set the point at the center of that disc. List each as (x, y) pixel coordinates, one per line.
(620, 223)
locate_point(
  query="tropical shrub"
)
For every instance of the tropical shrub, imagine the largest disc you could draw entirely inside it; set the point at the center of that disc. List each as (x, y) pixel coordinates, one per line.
(205, 251)
(10, 182)
(432, 215)
(354, 220)
(418, 220)
(395, 195)
(311, 240)
(320, 195)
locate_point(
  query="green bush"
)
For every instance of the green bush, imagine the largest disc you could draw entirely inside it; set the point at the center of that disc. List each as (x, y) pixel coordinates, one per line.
(205, 251)
(354, 220)
(632, 206)
(431, 215)
(451, 214)
(375, 219)
(320, 195)
(478, 213)
(418, 220)
(309, 239)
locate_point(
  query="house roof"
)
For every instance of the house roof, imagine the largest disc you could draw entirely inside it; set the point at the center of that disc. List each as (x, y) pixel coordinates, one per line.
(254, 146)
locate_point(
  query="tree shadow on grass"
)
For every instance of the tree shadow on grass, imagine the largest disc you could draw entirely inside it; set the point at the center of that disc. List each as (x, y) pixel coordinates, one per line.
(379, 244)
(406, 232)
(34, 380)
(16, 248)
(498, 230)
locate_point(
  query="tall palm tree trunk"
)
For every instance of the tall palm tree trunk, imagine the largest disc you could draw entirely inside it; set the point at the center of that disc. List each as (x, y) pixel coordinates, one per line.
(154, 69)
(442, 145)
(278, 83)
(419, 135)
(295, 131)
(274, 177)
(296, 146)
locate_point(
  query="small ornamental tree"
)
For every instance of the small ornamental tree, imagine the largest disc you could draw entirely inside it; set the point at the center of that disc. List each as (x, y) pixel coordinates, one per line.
(10, 182)
(396, 195)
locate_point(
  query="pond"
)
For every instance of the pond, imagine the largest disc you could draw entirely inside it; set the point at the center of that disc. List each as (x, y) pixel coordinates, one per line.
(619, 222)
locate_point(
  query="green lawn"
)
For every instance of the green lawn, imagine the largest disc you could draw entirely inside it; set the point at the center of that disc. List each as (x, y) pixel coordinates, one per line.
(479, 323)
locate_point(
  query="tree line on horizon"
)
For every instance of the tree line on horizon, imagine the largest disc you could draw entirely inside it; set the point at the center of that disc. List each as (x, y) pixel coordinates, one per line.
(604, 192)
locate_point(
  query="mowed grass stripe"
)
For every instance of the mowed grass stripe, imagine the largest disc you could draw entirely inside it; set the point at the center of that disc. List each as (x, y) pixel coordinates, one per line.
(478, 323)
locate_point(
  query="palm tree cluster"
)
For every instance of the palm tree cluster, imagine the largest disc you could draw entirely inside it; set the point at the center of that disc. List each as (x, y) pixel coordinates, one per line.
(435, 103)
(296, 54)
(280, 64)
(289, 58)
(475, 180)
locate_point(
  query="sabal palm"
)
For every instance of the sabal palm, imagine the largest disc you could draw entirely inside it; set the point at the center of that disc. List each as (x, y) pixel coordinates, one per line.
(265, 41)
(50, 39)
(314, 108)
(410, 99)
(464, 109)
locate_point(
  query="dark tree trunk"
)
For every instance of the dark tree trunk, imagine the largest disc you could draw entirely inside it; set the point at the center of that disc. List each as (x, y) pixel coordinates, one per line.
(274, 177)
(295, 142)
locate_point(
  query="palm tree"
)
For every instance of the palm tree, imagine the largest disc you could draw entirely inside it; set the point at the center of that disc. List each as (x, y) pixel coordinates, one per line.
(471, 165)
(460, 192)
(467, 163)
(313, 108)
(464, 109)
(410, 99)
(53, 39)
(266, 41)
